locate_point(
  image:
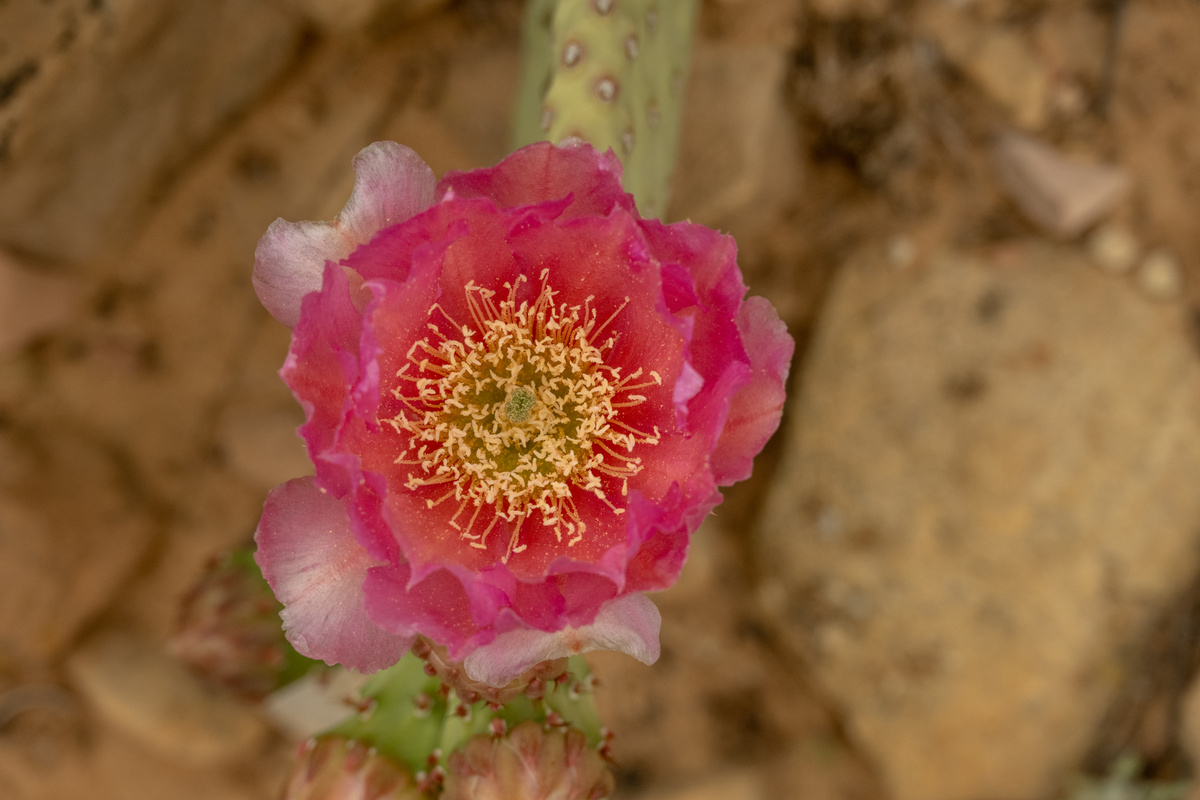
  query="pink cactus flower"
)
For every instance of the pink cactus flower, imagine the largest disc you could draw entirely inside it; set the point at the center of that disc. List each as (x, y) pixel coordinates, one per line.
(521, 401)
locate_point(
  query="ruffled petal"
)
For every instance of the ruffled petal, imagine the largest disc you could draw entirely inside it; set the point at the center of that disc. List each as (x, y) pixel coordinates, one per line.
(545, 172)
(392, 184)
(757, 407)
(316, 568)
(320, 368)
(289, 261)
(629, 624)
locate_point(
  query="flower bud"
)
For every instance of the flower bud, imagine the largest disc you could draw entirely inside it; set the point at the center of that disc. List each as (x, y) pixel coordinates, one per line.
(229, 630)
(533, 682)
(530, 763)
(336, 768)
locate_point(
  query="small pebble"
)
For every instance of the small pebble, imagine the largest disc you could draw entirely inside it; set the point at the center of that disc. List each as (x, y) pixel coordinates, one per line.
(901, 252)
(1113, 248)
(1062, 194)
(1160, 276)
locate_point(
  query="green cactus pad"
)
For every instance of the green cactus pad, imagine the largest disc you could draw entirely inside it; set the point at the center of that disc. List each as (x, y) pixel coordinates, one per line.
(410, 717)
(610, 72)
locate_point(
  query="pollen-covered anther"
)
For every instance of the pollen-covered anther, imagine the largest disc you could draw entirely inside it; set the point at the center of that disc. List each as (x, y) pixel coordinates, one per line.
(518, 412)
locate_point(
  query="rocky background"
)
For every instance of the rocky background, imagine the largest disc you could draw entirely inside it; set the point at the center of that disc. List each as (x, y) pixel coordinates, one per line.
(967, 568)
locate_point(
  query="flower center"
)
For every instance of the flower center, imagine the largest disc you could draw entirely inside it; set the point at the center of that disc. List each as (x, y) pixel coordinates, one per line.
(519, 405)
(517, 412)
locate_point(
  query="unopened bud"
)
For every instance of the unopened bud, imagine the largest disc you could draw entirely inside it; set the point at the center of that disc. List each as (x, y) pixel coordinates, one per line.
(530, 763)
(229, 630)
(336, 768)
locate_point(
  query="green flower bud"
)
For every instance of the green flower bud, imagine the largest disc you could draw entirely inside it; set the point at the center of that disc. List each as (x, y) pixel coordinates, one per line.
(336, 768)
(532, 762)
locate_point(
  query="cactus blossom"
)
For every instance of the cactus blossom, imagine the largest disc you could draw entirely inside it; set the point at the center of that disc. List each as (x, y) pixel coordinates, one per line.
(521, 399)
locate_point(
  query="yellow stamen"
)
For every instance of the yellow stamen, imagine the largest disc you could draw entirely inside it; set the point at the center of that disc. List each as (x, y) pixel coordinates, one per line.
(519, 413)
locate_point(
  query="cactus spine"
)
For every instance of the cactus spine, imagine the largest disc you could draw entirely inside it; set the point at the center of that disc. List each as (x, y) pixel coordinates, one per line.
(610, 72)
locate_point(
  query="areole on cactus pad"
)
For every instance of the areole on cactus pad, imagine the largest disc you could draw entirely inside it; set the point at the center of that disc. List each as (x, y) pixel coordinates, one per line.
(521, 400)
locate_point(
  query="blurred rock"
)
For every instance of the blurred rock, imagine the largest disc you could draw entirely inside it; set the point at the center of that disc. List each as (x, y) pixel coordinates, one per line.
(1011, 451)
(31, 303)
(998, 60)
(1189, 723)
(818, 768)
(136, 687)
(219, 514)
(737, 161)
(114, 767)
(154, 373)
(262, 444)
(1061, 194)
(756, 22)
(104, 102)
(845, 9)
(734, 784)
(1113, 248)
(351, 15)
(716, 698)
(70, 536)
(464, 123)
(1160, 276)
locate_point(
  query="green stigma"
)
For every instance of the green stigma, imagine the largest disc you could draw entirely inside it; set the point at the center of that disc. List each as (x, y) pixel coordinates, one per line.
(519, 405)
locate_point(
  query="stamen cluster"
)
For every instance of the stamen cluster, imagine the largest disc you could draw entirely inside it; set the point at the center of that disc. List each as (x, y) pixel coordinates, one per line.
(517, 410)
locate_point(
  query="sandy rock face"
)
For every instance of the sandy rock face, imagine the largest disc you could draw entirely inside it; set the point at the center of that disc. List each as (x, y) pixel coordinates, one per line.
(990, 486)
(101, 104)
(70, 536)
(141, 690)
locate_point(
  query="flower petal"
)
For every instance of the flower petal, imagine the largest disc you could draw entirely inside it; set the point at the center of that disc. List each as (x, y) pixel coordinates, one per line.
(629, 624)
(544, 172)
(757, 407)
(289, 261)
(316, 568)
(392, 184)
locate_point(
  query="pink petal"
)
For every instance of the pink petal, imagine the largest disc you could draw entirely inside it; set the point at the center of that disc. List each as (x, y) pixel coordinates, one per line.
(440, 606)
(316, 568)
(629, 624)
(544, 172)
(289, 261)
(321, 364)
(757, 407)
(392, 184)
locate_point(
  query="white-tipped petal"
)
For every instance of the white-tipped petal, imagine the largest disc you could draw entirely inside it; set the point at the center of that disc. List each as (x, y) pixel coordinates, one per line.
(289, 262)
(391, 184)
(629, 623)
(316, 568)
